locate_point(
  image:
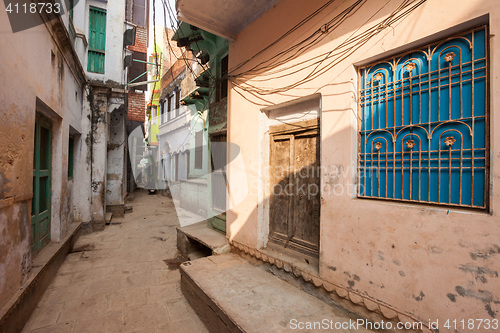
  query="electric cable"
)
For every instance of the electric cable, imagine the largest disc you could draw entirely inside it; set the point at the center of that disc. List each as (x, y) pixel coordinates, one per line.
(339, 53)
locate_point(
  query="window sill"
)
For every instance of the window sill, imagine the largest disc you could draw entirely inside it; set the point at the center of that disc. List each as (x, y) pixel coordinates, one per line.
(426, 206)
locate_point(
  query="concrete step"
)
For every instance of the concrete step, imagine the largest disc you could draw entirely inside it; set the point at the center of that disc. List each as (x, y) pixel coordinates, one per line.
(199, 237)
(229, 294)
(108, 217)
(130, 197)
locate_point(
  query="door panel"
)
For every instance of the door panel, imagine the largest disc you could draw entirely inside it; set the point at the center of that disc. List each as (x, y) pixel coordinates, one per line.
(295, 189)
(306, 198)
(40, 206)
(280, 180)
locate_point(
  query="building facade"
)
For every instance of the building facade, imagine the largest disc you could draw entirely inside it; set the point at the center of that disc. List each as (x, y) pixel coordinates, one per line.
(205, 191)
(370, 149)
(175, 126)
(64, 147)
(137, 16)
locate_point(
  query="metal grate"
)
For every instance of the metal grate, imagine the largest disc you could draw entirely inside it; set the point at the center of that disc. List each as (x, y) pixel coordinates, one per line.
(423, 134)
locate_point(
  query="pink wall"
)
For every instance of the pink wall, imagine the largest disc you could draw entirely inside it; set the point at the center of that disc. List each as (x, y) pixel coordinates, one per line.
(419, 260)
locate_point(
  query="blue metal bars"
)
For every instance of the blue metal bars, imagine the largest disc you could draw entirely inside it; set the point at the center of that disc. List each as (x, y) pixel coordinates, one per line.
(423, 134)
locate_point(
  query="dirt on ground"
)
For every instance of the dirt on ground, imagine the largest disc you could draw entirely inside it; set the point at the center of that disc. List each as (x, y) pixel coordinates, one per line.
(121, 279)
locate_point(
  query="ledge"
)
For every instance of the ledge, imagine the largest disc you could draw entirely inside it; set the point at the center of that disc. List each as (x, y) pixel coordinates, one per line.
(336, 292)
(45, 265)
(202, 234)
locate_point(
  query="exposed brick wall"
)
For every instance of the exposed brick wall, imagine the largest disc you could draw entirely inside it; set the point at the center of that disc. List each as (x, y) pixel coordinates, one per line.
(170, 50)
(141, 40)
(136, 106)
(176, 69)
(137, 102)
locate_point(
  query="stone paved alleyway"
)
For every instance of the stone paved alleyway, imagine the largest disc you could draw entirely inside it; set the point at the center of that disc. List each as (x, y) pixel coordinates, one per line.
(116, 280)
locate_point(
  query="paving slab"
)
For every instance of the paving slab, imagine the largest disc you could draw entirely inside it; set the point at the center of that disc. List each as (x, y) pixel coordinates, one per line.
(201, 233)
(116, 280)
(43, 269)
(245, 298)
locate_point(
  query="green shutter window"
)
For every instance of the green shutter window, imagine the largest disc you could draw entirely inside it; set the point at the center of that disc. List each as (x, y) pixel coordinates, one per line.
(97, 40)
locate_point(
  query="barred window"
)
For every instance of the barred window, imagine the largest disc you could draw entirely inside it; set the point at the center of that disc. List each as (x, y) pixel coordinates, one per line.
(423, 130)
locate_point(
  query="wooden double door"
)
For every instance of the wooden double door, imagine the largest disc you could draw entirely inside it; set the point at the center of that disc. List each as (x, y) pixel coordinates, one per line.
(295, 186)
(40, 204)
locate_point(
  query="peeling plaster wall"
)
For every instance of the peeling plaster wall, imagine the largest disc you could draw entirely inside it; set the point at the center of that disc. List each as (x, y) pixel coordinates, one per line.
(36, 74)
(82, 170)
(425, 262)
(115, 188)
(15, 257)
(99, 138)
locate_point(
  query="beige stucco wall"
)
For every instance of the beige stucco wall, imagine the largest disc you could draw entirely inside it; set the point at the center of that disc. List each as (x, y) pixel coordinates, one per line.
(27, 73)
(410, 257)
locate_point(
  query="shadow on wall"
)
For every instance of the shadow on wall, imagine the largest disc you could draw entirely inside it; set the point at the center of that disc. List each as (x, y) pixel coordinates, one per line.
(371, 248)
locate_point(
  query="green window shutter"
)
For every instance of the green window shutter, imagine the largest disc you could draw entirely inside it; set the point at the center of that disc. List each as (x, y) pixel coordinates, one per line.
(97, 40)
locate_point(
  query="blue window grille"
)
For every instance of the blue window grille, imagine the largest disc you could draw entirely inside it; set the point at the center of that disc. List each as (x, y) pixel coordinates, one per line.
(423, 134)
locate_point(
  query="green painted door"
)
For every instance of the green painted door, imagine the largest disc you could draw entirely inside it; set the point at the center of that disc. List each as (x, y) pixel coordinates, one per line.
(40, 204)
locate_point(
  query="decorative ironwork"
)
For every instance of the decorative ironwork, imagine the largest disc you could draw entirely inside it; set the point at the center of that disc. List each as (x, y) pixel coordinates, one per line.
(449, 141)
(435, 104)
(410, 66)
(410, 144)
(449, 57)
(379, 76)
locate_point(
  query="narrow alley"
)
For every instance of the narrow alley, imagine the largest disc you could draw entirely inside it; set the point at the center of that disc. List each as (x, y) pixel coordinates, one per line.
(116, 280)
(235, 166)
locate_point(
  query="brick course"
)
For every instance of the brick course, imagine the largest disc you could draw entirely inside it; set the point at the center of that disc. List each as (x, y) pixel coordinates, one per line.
(136, 106)
(141, 40)
(137, 101)
(176, 69)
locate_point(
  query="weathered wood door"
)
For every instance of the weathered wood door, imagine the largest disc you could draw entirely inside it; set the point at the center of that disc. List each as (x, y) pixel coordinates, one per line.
(295, 186)
(40, 204)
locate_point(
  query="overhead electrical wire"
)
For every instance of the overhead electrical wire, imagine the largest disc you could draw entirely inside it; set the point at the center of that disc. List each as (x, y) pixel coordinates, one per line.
(297, 26)
(155, 54)
(334, 57)
(279, 66)
(369, 33)
(321, 32)
(174, 23)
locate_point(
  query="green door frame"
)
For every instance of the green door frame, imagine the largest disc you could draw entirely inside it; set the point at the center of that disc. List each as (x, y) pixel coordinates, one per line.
(40, 207)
